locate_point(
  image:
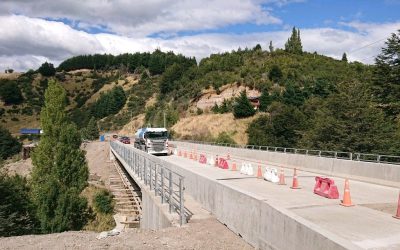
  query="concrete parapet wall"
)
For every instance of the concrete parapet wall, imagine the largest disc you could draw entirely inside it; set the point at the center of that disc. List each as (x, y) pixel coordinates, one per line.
(380, 173)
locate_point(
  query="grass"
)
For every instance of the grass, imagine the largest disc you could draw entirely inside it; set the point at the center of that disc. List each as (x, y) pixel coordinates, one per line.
(99, 221)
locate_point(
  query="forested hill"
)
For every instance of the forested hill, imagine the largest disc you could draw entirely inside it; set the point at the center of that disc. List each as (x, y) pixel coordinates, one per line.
(308, 100)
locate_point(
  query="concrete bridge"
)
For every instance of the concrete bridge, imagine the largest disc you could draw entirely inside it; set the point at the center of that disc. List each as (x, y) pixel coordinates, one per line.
(266, 215)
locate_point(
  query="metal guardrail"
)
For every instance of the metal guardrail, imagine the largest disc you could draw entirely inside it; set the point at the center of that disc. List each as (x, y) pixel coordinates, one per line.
(163, 181)
(375, 158)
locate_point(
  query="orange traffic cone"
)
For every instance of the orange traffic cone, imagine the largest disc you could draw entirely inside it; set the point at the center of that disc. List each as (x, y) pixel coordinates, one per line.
(346, 196)
(195, 156)
(234, 166)
(397, 216)
(295, 184)
(179, 153)
(259, 173)
(216, 161)
(282, 178)
(185, 154)
(191, 155)
(228, 156)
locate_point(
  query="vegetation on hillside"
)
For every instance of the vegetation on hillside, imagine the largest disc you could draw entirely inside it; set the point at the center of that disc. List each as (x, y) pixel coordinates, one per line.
(9, 145)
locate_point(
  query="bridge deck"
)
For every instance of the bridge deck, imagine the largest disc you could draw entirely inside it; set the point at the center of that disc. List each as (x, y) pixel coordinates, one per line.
(369, 224)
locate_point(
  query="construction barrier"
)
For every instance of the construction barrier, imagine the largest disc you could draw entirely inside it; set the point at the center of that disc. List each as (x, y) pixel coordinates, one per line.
(210, 161)
(203, 159)
(271, 174)
(326, 187)
(223, 163)
(247, 169)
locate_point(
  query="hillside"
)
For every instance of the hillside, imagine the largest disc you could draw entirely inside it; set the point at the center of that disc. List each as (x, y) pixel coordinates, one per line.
(306, 99)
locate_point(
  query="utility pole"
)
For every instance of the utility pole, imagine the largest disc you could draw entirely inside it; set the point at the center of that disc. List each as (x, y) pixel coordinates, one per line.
(164, 119)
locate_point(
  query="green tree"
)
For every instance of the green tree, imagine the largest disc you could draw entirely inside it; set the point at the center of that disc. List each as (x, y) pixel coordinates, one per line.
(275, 74)
(281, 128)
(265, 100)
(10, 93)
(9, 146)
(293, 44)
(60, 170)
(271, 47)
(386, 76)
(47, 69)
(344, 57)
(349, 121)
(17, 216)
(243, 108)
(91, 132)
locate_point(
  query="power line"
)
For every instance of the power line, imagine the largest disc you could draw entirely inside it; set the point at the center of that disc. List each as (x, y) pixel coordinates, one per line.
(365, 46)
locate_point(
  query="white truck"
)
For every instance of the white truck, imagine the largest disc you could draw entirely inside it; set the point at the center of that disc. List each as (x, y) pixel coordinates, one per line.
(152, 140)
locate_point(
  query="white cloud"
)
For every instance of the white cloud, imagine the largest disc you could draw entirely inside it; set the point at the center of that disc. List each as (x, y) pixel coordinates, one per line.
(141, 18)
(27, 42)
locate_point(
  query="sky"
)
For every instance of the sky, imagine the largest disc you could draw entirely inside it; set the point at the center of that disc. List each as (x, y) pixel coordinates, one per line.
(35, 31)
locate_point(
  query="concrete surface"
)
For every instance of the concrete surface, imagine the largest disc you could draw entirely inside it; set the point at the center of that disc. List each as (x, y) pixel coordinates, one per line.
(300, 219)
(379, 173)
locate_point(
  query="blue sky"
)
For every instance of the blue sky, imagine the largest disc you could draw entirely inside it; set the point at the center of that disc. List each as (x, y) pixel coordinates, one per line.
(32, 32)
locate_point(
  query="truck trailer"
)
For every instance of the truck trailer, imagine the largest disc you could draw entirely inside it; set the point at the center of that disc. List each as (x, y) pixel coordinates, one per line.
(152, 140)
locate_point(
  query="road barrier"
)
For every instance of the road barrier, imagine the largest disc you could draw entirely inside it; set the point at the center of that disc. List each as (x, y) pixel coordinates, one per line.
(397, 215)
(326, 187)
(222, 163)
(271, 174)
(203, 159)
(247, 169)
(376, 158)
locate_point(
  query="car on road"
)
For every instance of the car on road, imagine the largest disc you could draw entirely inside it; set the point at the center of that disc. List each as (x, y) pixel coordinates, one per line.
(125, 140)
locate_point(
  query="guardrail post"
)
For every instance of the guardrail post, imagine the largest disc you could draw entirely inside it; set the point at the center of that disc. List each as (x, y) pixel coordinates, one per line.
(351, 156)
(319, 153)
(156, 181)
(162, 185)
(335, 154)
(358, 156)
(378, 159)
(181, 207)
(151, 177)
(170, 192)
(284, 150)
(307, 152)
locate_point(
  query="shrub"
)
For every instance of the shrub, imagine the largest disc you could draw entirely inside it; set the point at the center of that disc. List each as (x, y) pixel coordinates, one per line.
(103, 202)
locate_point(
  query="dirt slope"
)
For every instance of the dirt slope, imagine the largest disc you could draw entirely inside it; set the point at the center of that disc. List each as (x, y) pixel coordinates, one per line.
(212, 124)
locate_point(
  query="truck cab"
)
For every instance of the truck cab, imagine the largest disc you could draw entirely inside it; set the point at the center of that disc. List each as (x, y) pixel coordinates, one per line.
(152, 140)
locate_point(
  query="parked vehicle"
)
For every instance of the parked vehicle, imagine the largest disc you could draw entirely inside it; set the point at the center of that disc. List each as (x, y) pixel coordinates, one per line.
(125, 140)
(152, 140)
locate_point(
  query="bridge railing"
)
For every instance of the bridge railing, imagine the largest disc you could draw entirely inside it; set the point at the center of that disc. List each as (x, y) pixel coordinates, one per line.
(164, 182)
(375, 158)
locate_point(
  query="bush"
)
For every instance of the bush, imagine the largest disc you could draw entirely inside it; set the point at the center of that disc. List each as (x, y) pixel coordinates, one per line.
(10, 93)
(243, 107)
(8, 144)
(103, 202)
(224, 137)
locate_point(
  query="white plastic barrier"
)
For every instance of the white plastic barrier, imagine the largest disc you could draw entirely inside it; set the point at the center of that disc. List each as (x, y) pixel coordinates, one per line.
(210, 160)
(271, 174)
(247, 169)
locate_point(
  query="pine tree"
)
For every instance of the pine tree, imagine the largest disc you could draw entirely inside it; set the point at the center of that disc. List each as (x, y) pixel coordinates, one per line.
(293, 44)
(91, 132)
(243, 107)
(386, 77)
(344, 57)
(271, 48)
(60, 170)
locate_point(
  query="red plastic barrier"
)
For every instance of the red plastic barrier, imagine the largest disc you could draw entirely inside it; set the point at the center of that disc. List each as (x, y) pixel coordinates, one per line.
(223, 163)
(326, 187)
(203, 159)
